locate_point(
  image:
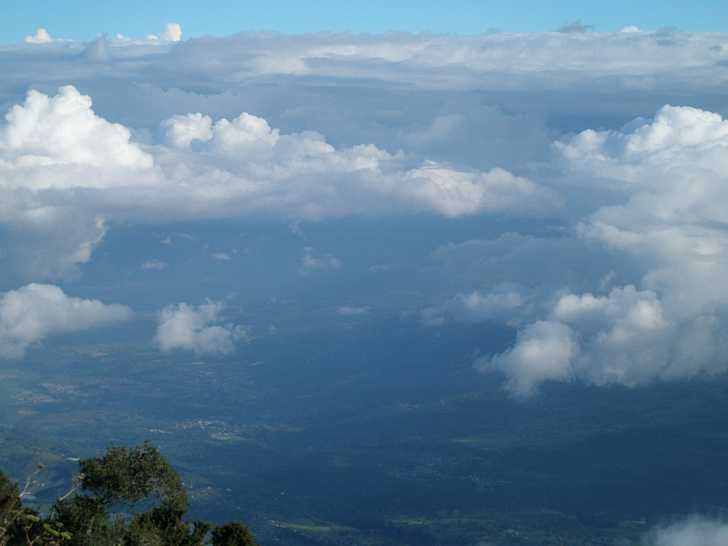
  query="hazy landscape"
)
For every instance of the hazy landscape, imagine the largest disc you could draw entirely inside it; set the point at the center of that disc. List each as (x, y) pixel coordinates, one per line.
(402, 443)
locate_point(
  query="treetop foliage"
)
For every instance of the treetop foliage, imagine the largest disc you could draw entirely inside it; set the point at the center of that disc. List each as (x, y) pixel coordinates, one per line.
(128, 497)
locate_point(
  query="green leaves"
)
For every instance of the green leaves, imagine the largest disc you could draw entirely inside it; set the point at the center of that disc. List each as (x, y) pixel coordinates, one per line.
(131, 475)
(135, 477)
(232, 534)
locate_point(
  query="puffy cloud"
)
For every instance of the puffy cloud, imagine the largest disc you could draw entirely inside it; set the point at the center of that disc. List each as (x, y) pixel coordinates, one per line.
(670, 175)
(679, 137)
(673, 173)
(302, 175)
(97, 174)
(41, 36)
(51, 144)
(46, 134)
(695, 531)
(196, 328)
(248, 134)
(625, 337)
(181, 131)
(31, 313)
(544, 351)
(454, 193)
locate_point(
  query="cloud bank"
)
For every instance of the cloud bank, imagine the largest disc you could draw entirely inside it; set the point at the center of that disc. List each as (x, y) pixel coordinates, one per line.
(670, 175)
(594, 163)
(626, 59)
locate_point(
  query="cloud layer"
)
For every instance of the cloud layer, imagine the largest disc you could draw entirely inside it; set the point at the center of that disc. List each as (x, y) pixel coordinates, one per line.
(600, 203)
(628, 59)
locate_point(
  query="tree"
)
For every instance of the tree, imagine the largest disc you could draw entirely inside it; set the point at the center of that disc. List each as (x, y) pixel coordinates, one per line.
(9, 506)
(232, 534)
(128, 497)
(131, 475)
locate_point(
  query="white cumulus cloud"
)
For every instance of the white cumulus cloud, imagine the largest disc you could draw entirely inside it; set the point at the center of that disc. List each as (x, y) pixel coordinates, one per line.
(544, 351)
(670, 179)
(31, 313)
(181, 131)
(48, 141)
(98, 174)
(199, 329)
(41, 36)
(625, 337)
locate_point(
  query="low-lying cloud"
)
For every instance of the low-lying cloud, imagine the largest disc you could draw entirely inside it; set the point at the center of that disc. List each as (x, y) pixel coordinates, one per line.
(672, 175)
(199, 329)
(34, 312)
(695, 531)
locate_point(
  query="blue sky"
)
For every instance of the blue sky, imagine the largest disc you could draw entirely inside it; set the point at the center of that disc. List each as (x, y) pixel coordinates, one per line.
(84, 19)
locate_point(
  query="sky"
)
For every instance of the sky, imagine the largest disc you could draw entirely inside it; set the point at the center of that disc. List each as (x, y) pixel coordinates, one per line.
(85, 19)
(429, 176)
(568, 186)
